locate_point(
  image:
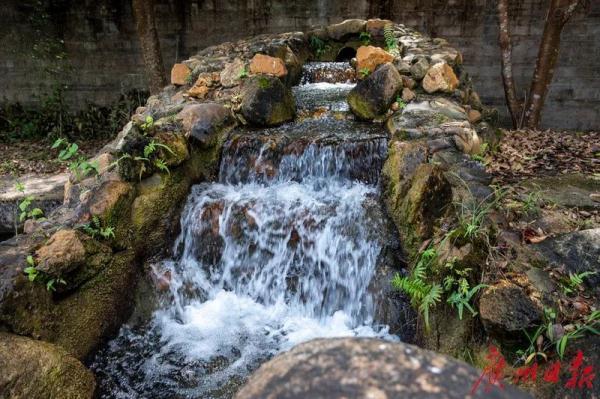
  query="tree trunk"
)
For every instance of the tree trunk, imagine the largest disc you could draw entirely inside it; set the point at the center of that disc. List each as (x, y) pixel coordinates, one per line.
(143, 11)
(510, 92)
(559, 13)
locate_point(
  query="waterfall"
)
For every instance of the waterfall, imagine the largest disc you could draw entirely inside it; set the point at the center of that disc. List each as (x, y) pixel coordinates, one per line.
(280, 250)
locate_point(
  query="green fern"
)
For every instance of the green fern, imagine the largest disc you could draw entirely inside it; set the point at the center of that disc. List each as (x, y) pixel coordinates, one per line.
(390, 39)
(423, 295)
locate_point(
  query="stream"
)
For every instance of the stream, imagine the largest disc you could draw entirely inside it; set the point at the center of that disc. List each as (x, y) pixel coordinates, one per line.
(281, 250)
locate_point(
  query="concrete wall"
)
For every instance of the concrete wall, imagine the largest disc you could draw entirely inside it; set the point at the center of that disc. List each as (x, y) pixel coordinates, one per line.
(103, 50)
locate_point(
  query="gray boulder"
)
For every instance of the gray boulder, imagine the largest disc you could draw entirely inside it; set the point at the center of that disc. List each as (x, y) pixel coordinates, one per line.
(346, 29)
(578, 252)
(505, 309)
(202, 122)
(366, 368)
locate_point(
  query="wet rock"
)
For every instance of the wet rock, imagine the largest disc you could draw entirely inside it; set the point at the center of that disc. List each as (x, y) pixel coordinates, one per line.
(202, 122)
(267, 102)
(231, 74)
(402, 66)
(419, 68)
(370, 57)
(374, 95)
(578, 252)
(440, 77)
(346, 29)
(264, 64)
(506, 309)
(180, 74)
(47, 192)
(365, 368)
(35, 369)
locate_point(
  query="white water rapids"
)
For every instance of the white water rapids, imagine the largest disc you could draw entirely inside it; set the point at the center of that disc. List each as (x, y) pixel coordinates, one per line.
(263, 262)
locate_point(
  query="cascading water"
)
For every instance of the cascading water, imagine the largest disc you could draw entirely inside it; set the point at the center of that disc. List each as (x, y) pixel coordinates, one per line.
(281, 250)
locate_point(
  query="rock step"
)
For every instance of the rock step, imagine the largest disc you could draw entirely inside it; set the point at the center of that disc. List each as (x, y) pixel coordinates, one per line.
(47, 191)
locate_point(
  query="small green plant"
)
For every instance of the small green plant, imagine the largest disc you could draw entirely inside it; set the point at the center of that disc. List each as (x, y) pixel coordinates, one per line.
(318, 46)
(148, 124)
(480, 156)
(364, 72)
(401, 103)
(26, 212)
(24, 206)
(545, 336)
(461, 299)
(243, 73)
(79, 165)
(531, 204)
(94, 229)
(422, 294)
(391, 43)
(33, 274)
(590, 325)
(149, 150)
(574, 282)
(472, 214)
(365, 38)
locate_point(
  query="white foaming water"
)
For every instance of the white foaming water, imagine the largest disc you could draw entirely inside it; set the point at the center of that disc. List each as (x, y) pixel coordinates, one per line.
(261, 265)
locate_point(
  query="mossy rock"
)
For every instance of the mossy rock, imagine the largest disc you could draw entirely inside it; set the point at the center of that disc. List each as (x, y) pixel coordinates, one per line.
(373, 96)
(39, 370)
(448, 334)
(426, 201)
(267, 102)
(97, 309)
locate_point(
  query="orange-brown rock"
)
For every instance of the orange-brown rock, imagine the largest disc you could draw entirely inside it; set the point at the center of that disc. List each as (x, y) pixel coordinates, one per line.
(370, 57)
(264, 64)
(375, 27)
(180, 74)
(474, 116)
(63, 252)
(440, 77)
(408, 95)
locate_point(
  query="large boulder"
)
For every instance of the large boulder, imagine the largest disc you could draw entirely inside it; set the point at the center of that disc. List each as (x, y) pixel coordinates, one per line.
(264, 64)
(346, 29)
(506, 309)
(73, 257)
(366, 368)
(267, 101)
(374, 95)
(36, 369)
(202, 122)
(370, 57)
(578, 252)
